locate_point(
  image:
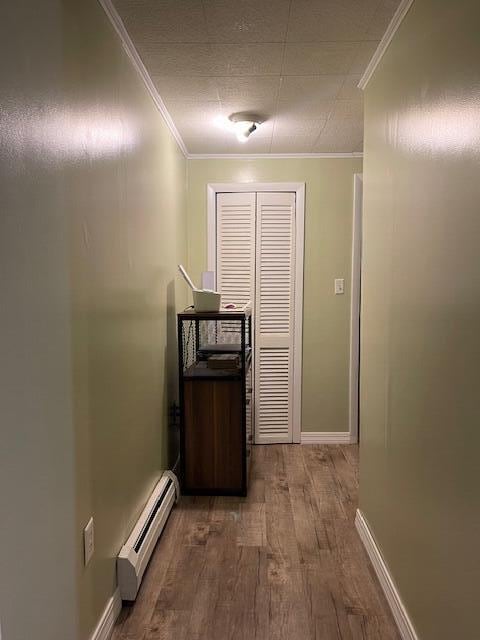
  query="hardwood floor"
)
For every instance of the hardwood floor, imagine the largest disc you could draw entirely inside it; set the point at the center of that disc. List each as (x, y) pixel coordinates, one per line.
(285, 563)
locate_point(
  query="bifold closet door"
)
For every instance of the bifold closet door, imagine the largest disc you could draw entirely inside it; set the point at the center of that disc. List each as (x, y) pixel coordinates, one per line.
(274, 316)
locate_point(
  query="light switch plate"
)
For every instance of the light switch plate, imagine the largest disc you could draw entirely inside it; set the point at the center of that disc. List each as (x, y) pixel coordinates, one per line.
(88, 541)
(339, 286)
(208, 280)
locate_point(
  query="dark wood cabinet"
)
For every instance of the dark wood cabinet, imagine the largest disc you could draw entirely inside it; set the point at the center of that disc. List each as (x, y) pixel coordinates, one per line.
(215, 402)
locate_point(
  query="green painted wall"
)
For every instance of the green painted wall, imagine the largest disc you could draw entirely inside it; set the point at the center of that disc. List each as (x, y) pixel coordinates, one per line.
(37, 488)
(420, 315)
(92, 225)
(328, 242)
(127, 234)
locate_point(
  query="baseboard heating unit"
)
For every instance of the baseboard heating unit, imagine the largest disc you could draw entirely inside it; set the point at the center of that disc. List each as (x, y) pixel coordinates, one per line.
(135, 553)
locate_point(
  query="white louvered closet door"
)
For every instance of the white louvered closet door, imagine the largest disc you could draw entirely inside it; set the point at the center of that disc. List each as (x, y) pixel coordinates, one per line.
(274, 316)
(235, 226)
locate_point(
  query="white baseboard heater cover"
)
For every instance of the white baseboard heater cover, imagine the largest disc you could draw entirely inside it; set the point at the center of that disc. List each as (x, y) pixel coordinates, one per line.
(135, 553)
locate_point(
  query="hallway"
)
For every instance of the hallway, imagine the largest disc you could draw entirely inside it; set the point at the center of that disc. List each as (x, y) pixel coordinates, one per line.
(285, 563)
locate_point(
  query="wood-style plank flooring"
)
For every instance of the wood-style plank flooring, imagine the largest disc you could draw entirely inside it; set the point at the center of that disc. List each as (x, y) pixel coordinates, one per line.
(285, 563)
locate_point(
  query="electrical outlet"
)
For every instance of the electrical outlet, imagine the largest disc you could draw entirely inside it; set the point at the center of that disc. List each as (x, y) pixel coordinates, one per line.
(339, 286)
(88, 541)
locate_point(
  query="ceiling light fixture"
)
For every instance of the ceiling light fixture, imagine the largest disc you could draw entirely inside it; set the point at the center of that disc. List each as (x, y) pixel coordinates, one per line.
(244, 124)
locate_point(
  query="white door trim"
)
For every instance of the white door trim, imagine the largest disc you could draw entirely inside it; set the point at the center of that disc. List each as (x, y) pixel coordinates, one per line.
(299, 189)
(355, 306)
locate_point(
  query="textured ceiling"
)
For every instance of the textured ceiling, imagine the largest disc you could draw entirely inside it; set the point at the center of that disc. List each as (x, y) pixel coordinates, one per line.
(295, 62)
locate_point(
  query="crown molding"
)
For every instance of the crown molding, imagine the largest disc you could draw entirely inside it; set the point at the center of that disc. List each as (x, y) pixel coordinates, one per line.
(136, 60)
(269, 156)
(395, 23)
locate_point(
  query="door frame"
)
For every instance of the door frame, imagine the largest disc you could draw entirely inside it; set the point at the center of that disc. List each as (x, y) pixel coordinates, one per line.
(355, 305)
(299, 189)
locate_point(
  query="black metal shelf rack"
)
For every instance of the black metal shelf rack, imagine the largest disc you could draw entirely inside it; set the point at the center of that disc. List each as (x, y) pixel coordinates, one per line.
(216, 418)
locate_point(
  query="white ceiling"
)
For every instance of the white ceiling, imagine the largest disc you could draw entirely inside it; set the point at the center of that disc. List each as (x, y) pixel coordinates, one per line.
(294, 62)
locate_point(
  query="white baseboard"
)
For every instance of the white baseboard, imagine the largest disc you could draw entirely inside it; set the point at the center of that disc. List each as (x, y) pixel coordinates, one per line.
(404, 624)
(325, 437)
(108, 618)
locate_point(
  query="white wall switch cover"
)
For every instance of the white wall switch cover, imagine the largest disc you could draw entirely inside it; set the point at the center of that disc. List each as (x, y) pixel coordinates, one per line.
(88, 541)
(339, 286)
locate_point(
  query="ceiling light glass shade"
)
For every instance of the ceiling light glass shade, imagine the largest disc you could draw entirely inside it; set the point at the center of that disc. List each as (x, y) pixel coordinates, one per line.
(243, 129)
(243, 124)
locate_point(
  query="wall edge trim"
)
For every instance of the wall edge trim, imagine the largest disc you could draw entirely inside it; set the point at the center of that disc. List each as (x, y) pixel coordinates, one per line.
(104, 628)
(325, 437)
(176, 466)
(136, 60)
(355, 286)
(271, 156)
(395, 23)
(389, 588)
